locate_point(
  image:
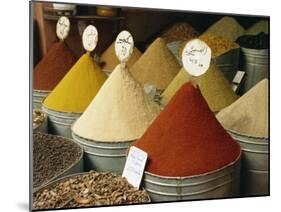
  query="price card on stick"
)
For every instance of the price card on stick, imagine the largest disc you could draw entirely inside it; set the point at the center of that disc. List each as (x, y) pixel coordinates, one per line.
(196, 57)
(90, 38)
(134, 166)
(63, 27)
(124, 45)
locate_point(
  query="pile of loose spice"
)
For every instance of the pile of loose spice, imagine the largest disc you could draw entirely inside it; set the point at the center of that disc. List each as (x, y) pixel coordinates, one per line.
(227, 28)
(186, 139)
(89, 189)
(53, 67)
(121, 111)
(52, 155)
(157, 66)
(78, 88)
(260, 26)
(214, 87)
(38, 117)
(179, 31)
(249, 114)
(109, 59)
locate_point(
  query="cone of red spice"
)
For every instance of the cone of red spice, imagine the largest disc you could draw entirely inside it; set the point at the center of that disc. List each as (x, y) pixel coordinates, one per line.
(53, 67)
(186, 139)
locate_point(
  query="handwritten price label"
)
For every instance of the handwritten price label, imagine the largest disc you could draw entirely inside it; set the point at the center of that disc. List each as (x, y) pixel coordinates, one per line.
(134, 166)
(124, 45)
(90, 38)
(196, 57)
(63, 27)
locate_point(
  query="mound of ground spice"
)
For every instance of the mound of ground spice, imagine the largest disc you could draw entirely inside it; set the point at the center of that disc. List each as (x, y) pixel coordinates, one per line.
(249, 114)
(109, 59)
(186, 139)
(260, 26)
(121, 111)
(227, 27)
(78, 88)
(179, 31)
(157, 66)
(213, 85)
(53, 67)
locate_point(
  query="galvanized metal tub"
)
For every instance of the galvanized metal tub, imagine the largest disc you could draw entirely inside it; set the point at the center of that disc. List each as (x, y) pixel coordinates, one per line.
(254, 165)
(103, 156)
(59, 123)
(228, 63)
(43, 127)
(66, 178)
(220, 183)
(75, 167)
(38, 96)
(255, 64)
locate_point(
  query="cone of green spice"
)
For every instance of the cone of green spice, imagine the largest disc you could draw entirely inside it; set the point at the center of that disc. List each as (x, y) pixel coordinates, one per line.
(213, 85)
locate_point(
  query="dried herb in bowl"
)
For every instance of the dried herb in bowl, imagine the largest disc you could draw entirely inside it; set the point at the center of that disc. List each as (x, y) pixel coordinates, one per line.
(52, 155)
(88, 189)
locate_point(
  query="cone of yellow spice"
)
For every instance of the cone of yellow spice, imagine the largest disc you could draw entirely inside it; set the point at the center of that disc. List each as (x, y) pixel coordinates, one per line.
(78, 87)
(213, 85)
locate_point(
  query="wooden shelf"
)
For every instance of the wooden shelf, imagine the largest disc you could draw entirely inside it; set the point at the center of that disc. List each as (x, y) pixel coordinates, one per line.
(53, 15)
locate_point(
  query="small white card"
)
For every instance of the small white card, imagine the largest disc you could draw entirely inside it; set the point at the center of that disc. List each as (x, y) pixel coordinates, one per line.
(63, 27)
(196, 57)
(238, 77)
(124, 45)
(90, 38)
(134, 166)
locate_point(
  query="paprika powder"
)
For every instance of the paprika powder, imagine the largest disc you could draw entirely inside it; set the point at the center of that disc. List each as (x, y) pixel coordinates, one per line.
(52, 68)
(186, 139)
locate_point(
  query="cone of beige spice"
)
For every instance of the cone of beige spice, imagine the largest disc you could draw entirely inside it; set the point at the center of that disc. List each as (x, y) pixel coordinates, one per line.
(121, 111)
(213, 85)
(109, 59)
(249, 114)
(226, 27)
(157, 66)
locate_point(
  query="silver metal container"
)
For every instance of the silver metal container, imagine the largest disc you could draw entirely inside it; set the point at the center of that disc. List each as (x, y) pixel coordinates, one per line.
(43, 127)
(103, 156)
(38, 96)
(51, 184)
(59, 123)
(254, 165)
(76, 167)
(255, 64)
(228, 63)
(220, 183)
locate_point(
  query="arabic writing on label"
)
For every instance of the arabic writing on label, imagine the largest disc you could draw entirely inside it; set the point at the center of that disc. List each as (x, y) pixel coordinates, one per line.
(63, 26)
(124, 46)
(90, 38)
(196, 57)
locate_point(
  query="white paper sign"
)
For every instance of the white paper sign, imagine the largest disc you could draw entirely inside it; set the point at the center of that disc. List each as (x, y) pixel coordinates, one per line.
(63, 27)
(134, 166)
(196, 57)
(238, 77)
(90, 38)
(124, 45)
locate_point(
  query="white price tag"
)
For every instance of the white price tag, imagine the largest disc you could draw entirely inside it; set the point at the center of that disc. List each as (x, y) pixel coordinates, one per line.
(124, 45)
(196, 57)
(90, 38)
(63, 27)
(134, 166)
(238, 77)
